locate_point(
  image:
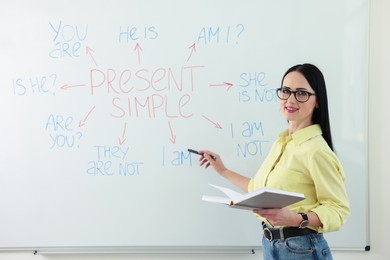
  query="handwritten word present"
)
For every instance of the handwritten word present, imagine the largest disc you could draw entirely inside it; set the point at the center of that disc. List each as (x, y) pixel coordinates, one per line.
(113, 81)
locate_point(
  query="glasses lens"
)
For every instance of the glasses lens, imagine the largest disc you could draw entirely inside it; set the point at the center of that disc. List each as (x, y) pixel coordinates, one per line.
(301, 96)
(283, 93)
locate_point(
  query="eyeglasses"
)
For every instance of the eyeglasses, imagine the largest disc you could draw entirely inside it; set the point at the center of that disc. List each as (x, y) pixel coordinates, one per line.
(300, 95)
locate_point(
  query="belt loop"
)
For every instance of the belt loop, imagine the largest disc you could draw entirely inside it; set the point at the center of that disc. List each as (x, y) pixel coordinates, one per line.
(281, 232)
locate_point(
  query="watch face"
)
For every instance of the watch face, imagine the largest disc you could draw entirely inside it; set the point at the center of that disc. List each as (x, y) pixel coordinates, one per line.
(304, 224)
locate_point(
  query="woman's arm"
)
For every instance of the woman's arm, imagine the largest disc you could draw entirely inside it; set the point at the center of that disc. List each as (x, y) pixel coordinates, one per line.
(286, 217)
(214, 160)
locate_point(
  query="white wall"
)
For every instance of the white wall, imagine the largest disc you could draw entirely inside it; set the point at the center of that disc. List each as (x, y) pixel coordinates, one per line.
(379, 143)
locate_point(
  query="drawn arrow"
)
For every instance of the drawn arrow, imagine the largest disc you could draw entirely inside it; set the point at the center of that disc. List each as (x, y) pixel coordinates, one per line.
(82, 122)
(173, 137)
(223, 84)
(216, 125)
(138, 49)
(89, 52)
(66, 86)
(193, 49)
(123, 138)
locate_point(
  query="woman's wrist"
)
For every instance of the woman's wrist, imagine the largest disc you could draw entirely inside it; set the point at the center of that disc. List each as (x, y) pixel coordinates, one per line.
(224, 172)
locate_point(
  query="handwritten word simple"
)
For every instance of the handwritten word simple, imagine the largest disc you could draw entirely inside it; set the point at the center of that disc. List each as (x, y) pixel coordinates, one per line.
(158, 80)
(34, 85)
(220, 34)
(128, 33)
(67, 39)
(152, 106)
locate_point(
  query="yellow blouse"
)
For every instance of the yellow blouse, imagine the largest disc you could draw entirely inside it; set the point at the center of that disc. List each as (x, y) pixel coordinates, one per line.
(304, 163)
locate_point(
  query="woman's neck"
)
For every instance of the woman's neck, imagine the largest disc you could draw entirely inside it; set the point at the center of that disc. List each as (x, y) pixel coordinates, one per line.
(294, 126)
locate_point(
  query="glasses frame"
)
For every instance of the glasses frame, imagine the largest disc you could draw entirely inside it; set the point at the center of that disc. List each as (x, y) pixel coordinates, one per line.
(309, 94)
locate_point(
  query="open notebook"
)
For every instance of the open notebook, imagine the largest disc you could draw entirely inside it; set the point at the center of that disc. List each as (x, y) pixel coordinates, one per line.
(257, 199)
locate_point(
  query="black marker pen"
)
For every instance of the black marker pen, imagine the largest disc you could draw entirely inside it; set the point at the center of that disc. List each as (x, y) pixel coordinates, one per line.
(196, 152)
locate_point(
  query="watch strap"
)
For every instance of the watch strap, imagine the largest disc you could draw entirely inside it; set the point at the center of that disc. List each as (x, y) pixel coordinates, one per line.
(305, 220)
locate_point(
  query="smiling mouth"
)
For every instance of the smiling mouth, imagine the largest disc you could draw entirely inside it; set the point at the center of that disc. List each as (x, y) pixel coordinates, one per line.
(291, 109)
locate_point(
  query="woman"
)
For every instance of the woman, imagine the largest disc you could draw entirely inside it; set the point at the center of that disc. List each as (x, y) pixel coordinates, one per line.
(301, 160)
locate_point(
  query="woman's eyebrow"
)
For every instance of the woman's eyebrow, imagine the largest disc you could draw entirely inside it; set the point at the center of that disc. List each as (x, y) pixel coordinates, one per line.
(302, 88)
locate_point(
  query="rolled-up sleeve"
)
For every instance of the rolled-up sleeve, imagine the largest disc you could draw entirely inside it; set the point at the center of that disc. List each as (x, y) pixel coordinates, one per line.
(329, 180)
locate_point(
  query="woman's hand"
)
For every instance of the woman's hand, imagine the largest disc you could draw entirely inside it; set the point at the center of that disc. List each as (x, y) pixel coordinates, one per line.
(280, 217)
(212, 159)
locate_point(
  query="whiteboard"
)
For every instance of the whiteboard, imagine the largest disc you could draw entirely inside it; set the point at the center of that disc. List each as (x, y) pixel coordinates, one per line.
(100, 101)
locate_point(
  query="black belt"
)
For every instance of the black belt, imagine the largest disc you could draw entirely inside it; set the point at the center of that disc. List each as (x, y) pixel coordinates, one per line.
(277, 233)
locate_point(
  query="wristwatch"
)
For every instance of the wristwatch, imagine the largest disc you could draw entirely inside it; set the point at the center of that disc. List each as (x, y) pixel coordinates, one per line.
(305, 220)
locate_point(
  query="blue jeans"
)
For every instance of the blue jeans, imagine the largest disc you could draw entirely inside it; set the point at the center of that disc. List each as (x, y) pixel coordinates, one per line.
(308, 247)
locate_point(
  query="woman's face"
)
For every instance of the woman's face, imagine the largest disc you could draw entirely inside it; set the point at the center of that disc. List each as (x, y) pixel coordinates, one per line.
(297, 113)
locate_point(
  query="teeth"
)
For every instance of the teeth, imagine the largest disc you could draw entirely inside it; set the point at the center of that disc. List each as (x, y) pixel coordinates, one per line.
(291, 108)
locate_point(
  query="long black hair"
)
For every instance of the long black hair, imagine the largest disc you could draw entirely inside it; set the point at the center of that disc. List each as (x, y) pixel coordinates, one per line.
(317, 82)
